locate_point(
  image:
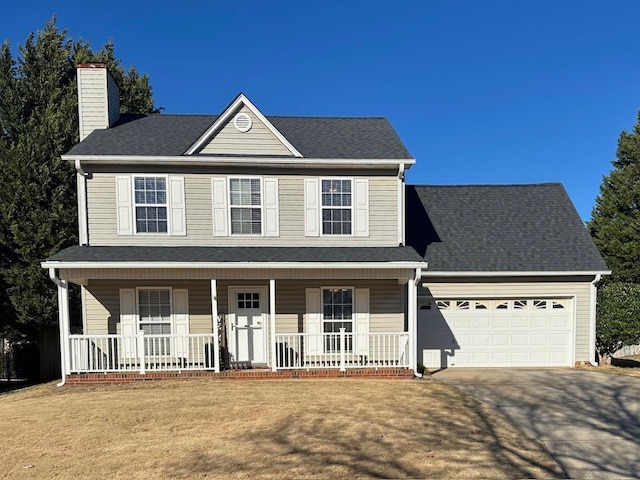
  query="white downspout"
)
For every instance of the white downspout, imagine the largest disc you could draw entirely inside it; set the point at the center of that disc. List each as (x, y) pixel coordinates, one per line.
(592, 322)
(61, 284)
(81, 184)
(401, 202)
(414, 313)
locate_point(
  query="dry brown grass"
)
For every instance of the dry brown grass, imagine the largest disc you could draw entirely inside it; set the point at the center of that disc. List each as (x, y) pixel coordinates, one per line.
(263, 429)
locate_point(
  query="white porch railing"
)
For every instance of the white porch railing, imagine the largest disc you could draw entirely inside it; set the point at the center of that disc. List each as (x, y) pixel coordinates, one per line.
(140, 353)
(342, 350)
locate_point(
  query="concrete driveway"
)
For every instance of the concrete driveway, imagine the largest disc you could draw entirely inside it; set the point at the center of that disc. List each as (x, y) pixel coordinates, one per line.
(589, 421)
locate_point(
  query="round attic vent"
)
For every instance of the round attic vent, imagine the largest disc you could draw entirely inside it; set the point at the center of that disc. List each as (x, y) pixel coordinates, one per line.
(242, 122)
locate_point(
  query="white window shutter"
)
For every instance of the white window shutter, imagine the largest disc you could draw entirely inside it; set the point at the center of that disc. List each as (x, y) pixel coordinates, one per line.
(314, 322)
(361, 208)
(220, 209)
(128, 322)
(178, 221)
(271, 213)
(362, 321)
(124, 205)
(311, 207)
(181, 321)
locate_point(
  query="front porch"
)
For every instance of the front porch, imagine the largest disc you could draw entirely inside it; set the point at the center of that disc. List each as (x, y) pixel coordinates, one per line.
(144, 321)
(143, 353)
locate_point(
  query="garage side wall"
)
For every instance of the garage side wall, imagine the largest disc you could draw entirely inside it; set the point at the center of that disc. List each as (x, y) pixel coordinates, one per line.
(525, 288)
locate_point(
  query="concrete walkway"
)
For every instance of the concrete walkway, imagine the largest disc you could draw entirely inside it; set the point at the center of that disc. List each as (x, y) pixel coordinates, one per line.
(589, 421)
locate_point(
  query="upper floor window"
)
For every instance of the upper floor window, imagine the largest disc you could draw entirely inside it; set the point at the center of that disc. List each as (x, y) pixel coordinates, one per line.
(245, 206)
(150, 204)
(336, 207)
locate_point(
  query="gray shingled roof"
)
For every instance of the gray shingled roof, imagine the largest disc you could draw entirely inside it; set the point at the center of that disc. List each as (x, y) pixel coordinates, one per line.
(313, 137)
(236, 254)
(499, 228)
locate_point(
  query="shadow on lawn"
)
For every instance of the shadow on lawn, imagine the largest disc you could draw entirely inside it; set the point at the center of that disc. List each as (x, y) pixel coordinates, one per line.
(432, 444)
(625, 363)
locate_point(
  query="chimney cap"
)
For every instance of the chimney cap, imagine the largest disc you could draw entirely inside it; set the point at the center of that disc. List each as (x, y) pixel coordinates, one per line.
(92, 65)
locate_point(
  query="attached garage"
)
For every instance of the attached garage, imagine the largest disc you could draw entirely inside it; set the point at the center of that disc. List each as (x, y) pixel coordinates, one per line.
(510, 280)
(520, 332)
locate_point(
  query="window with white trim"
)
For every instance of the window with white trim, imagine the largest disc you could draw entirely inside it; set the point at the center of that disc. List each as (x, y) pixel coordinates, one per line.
(154, 313)
(150, 196)
(337, 313)
(245, 206)
(336, 206)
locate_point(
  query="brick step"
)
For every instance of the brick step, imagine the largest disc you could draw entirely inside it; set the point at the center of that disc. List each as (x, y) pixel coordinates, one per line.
(249, 374)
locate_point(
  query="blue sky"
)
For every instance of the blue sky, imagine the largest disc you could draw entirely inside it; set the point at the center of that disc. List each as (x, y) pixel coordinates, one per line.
(479, 91)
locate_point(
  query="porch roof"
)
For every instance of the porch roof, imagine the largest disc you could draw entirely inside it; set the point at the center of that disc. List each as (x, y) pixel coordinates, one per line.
(129, 256)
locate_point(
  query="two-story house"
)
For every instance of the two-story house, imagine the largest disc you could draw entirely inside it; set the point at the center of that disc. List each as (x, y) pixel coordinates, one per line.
(292, 244)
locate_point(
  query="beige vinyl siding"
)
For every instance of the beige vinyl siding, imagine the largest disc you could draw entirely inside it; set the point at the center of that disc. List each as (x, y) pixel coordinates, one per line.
(102, 303)
(526, 289)
(383, 214)
(92, 90)
(259, 140)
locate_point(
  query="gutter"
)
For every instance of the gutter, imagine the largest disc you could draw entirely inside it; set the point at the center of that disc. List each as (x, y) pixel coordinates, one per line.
(516, 274)
(414, 346)
(83, 237)
(592, 322)
(60, 283)
(231, 161)
(234, 265)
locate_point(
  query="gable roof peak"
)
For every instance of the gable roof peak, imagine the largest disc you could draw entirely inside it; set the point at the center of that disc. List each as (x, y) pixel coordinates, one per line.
(236, 104)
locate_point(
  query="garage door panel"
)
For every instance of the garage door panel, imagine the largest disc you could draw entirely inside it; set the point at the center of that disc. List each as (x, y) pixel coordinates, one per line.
(500, 321)
(519, 322)
(481, 322)
(494, 332)
(500, 340)
(519, 339)
(481, 340)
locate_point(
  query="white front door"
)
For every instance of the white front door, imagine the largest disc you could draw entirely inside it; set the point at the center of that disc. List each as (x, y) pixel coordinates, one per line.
(247, 325)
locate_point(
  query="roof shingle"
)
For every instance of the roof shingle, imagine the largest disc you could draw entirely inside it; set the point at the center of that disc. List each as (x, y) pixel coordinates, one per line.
(313, 137)
(499, 228)
(223, 255)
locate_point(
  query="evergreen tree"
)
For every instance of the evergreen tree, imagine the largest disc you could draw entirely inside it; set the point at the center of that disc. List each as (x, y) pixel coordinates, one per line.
(38, 123)
(615, 220)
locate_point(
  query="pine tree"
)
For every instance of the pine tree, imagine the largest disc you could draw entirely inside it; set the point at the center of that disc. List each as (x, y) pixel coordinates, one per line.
(615, 220)
(38, 123)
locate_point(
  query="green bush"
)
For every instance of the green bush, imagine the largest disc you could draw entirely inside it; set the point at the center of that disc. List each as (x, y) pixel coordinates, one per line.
(618, 318)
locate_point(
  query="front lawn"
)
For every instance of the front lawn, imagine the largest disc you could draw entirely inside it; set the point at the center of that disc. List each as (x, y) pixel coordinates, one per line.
(264, 429)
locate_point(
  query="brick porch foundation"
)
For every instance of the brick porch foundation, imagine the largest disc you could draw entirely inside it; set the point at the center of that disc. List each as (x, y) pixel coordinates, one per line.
(251, 374)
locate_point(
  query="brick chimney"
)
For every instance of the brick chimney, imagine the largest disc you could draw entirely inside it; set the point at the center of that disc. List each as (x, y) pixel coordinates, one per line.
(98, 98)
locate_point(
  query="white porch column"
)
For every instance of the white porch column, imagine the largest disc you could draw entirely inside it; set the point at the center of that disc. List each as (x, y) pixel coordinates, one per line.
(412, 321)
(65, 326)
(216, 330)
(272, 323)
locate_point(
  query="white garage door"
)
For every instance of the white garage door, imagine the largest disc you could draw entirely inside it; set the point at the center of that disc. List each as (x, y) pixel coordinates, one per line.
(495, 333)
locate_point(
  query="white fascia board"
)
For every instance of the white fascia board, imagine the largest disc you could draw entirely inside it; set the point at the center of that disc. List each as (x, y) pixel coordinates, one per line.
(241, 99)
(235, 161)
(237, 265)
(513, 274)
